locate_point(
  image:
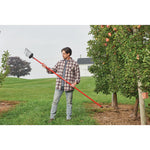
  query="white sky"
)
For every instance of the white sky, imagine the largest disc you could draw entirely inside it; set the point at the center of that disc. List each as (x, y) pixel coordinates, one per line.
(46, 42)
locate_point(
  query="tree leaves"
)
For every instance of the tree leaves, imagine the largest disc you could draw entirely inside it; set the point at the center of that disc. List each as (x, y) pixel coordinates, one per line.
(18, 67)
(121, 59)
(4, 69)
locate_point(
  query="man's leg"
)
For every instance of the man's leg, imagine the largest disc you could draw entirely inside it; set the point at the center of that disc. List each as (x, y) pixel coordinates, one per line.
(56, 99)
(69, 96)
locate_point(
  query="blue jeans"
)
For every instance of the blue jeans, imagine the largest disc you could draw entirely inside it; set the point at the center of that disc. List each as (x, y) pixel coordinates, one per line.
(57, 95)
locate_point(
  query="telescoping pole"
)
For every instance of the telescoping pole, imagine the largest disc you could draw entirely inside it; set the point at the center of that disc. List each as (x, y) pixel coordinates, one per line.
(68, 83)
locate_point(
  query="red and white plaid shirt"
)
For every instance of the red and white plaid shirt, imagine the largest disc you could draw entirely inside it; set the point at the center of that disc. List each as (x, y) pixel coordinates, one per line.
(72, 73)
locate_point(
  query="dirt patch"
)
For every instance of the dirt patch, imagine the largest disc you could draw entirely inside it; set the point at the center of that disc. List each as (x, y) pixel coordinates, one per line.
(109, 116)
(6, 105)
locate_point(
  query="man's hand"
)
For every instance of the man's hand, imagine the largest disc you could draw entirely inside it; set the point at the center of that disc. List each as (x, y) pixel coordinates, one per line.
(43, 65)
(74, 84)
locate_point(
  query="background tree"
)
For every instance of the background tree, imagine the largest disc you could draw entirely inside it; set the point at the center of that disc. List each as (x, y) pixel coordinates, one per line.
(18, 67)
(4, 68)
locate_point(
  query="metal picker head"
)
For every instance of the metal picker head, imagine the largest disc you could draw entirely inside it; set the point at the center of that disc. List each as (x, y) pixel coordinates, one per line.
(28, 53)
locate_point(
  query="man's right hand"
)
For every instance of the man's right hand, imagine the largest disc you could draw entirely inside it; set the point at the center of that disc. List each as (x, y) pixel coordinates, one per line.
(43, 65)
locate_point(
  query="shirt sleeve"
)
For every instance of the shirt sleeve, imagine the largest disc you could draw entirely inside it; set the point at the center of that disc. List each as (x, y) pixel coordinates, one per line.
(54, 69)
(77, 74)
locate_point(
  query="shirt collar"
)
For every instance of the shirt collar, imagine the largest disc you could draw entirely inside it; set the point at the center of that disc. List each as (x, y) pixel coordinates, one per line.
(68, 60)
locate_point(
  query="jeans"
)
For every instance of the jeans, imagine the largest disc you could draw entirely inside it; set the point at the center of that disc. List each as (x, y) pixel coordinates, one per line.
(57, 95)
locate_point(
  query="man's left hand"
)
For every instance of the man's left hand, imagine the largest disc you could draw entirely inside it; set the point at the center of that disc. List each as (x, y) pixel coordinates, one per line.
(73, 85)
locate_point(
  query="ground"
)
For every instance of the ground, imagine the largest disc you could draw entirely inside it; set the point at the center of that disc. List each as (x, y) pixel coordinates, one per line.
(103, 116)
(6, 105)
(109, 116)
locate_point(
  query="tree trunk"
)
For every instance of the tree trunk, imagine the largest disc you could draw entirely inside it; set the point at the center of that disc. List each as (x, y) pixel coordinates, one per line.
(114, 100)
(142, 105)
(141, 100)
(135, 113)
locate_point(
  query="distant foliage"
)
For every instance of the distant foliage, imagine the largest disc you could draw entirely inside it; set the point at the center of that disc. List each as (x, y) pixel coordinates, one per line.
(18, 67)
(4, 68)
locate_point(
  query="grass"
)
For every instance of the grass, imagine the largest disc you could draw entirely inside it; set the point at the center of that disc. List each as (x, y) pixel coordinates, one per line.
(36, 97)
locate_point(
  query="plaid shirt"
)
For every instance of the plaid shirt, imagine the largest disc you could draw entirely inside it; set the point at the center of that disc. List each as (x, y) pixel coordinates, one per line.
(72, 73)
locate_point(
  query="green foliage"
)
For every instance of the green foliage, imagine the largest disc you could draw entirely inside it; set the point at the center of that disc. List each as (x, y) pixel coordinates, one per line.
(121, 56)
(107, 58)
(4, 68)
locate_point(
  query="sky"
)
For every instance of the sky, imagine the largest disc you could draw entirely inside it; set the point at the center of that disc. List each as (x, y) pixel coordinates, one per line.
(46, 42)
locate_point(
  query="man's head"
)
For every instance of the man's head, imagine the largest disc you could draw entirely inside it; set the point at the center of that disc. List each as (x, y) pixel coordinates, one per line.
(66, 52)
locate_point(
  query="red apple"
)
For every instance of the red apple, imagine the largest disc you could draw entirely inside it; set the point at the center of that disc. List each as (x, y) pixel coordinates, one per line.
(108, 26)
(105, 44)
(139, 26)
(102, 26)
(115, 29)
(107, 39)
(129, 29)
(138, 57)
(109, 34)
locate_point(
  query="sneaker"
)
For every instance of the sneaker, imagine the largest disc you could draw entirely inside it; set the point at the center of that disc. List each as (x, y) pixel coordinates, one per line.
(50, 120)
(68, 119)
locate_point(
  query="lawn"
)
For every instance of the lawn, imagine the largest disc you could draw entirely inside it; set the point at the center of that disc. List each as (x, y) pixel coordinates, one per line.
(36, 95)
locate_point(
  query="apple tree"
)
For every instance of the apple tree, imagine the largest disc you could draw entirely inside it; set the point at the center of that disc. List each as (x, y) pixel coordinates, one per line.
(136, 52)
(121, 58)
(108, 62)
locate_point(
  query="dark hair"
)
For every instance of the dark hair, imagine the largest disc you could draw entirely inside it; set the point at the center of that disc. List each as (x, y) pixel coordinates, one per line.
(67, 50)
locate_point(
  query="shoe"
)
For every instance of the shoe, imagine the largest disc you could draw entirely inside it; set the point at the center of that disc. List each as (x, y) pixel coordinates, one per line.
(50, 120)
(68, 119)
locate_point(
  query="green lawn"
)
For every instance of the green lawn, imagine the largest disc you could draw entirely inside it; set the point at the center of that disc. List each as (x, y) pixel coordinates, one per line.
(36, 97)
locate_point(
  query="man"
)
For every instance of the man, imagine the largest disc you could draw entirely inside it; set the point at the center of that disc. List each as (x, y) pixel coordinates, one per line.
(69, 70)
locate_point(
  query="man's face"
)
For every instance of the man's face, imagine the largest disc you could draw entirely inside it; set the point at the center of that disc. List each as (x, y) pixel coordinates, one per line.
(65, 55)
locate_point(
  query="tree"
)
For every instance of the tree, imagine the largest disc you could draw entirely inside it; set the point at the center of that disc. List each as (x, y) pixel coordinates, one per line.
(18, 67)
(107, 60)
(137, 56)
(4, 68)
(121, 58)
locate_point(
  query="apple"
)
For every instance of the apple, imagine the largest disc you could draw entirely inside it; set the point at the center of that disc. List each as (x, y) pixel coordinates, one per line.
(107, 39)
(139, 26)
(105, 44)
(109, 34)
(115, 29)
(138, 57)
(108, 26)
(102, 26)
(129, 29)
